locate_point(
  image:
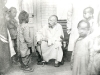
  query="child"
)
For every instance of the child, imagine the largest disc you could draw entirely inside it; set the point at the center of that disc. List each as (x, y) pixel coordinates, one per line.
(81, 49)
(12, 26)
(23, 40)
(88, 16)
(94, 66)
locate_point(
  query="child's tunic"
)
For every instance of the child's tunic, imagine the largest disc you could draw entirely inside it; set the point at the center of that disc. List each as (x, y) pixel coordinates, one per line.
(23, 39)
(94, 66)
(81, 56)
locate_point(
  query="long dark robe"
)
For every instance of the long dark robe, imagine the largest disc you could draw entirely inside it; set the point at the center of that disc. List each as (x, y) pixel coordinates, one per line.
(4, 47)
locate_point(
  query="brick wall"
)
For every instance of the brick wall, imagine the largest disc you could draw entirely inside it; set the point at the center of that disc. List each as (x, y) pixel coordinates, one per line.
(48, 8)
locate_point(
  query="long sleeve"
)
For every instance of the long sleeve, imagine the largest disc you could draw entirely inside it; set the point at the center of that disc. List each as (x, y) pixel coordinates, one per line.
(91, 49)
(96, 45)
(12, 26)
(27, 35)
(40, 35)
(72, 60)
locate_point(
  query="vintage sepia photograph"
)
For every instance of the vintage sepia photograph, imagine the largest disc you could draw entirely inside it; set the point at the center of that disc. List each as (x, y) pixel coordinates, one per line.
(49, 37)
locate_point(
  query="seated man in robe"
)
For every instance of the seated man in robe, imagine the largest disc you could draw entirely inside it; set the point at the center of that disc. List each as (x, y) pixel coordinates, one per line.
(49, 38)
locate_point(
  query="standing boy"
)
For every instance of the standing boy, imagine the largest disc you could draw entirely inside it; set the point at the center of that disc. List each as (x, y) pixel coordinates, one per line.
(81, 51)
(12, 26)
(88, 16)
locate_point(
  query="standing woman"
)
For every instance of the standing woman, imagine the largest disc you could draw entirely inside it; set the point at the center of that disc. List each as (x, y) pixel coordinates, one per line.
(23, 40)
(4, 43)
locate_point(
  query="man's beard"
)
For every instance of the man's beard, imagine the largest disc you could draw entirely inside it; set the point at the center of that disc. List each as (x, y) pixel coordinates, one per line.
(51, 26)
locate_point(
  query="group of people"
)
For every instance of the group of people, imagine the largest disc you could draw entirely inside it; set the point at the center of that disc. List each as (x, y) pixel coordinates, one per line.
(16, 35)
(49, 42)
(85, 58)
